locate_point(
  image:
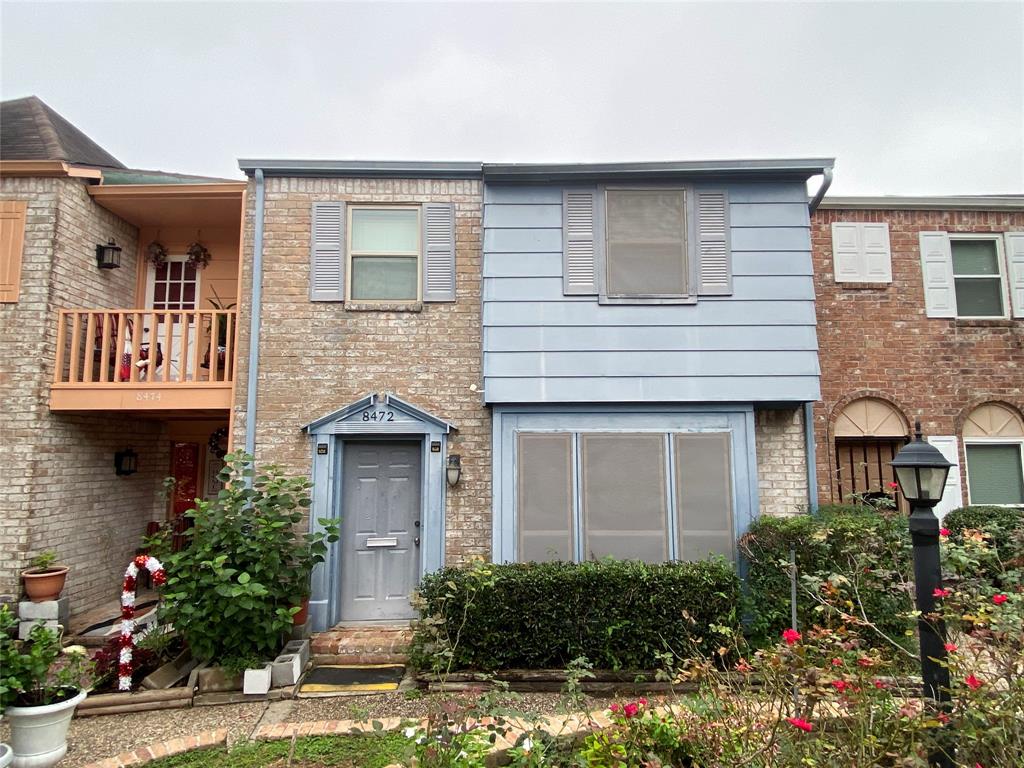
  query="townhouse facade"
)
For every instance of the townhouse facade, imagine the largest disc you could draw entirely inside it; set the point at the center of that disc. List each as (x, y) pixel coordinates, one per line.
(920, 305)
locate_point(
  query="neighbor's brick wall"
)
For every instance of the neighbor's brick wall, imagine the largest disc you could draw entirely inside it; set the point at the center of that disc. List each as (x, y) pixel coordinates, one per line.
(60, 466)
(781, 461)
(875, 340)
(318, 357)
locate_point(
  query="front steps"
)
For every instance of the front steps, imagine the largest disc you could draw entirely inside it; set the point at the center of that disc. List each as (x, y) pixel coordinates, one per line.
(362, 644)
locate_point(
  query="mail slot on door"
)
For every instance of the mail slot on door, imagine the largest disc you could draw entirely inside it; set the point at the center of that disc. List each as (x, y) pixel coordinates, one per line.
(382, 541)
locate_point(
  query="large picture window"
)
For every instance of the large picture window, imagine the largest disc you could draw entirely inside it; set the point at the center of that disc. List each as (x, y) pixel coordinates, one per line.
(384, 253)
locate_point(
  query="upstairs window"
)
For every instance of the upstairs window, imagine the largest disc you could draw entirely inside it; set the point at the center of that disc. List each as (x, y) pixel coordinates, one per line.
(645, 246)
(973, 276)
(978, 277)
(384, 253)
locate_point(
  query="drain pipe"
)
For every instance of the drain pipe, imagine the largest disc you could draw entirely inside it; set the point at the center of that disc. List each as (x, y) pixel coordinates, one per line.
(254, 320)
(826, 182)
(812, 458)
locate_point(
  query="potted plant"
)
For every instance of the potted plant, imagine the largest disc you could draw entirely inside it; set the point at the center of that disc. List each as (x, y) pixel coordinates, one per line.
(222, 331)
(44, 579)
(40, 686)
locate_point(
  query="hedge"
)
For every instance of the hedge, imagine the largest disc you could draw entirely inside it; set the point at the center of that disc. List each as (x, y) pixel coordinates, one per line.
(868, 547)
(618, 614)
(984, 518)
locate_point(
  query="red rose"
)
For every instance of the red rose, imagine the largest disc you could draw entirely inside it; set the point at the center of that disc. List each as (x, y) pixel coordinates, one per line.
(944, 532)
(840, 685)
(973, 683)
(631, 710)
(951, 648)
(791, 636)
(999, 599)
(800, 723)
(940, 592)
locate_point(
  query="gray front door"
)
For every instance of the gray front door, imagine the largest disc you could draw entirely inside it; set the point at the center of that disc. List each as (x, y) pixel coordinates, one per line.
(380, 510)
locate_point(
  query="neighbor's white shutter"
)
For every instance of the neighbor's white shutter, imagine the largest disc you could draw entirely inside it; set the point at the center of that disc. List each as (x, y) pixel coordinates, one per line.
(951, 495)
(327, 253)
(438, 252)
(580, 242)
(937, 273)
(1015, 261)
(847, 259)
(874, 241)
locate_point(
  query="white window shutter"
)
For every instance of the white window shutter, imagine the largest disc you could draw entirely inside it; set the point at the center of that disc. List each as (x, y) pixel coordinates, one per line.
(951, 495)
(327, 253)
(1015, 262)
(847, 257)
(438, 252)
(714, 256)
(581, 242)
(937, 273)
(874, 243)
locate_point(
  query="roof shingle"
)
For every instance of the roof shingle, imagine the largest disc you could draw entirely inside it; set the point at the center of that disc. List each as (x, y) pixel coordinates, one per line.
(30, 130)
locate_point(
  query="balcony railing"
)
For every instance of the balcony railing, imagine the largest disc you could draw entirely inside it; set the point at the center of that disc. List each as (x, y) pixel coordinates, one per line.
(114, 351)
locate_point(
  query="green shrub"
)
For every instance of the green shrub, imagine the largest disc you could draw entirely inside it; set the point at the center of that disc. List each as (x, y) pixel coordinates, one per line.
(854, 551)
(1001, 521)
(617, 614)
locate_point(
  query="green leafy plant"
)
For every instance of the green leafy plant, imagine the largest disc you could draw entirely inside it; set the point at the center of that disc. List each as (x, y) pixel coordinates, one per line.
(998, 524)
(617, 614)
(44, 561)
(37, 671)
(232, 591)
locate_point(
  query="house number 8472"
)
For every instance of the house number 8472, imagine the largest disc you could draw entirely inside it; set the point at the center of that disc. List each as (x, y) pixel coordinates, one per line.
(378, 415)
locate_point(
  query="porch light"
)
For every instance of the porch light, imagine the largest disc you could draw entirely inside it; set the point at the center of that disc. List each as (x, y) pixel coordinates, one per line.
(126, 462)
(921, 471)
(454, 470)
(108, 256)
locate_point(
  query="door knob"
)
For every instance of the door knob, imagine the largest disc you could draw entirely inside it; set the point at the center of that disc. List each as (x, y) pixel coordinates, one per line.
(416, 541)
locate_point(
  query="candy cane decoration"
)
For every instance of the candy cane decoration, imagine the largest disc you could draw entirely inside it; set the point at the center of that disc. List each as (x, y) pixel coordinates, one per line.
(125, 666)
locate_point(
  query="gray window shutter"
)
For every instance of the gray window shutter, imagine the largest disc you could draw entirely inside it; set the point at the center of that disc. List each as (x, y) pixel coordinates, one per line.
(937, 272)
(438, 252)
(1015, 262)
(581, 242)
(714, 256)
(327, 253)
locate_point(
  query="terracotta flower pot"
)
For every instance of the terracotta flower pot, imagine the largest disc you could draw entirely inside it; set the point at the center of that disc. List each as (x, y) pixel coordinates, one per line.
(42, 584)
(303, 614)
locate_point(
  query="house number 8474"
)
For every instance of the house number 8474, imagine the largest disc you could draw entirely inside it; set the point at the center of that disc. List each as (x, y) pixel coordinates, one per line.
(378, 415)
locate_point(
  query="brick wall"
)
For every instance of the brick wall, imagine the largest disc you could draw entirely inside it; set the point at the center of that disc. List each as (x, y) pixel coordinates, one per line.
(58, 467)
(317, 357)
(875, 340)
(781, 461)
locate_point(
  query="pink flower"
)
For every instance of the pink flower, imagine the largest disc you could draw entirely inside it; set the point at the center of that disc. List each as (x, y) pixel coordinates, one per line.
(791, 636)
(951, 648)
(944, 531)
(642, 701)
(894, 485)
(800, 723)
(973, 683)
(940, 592)
(840, 685)
(999, 599)
(615, 708)
(631, 710)
(880, 685)
(743, 666)
(837, 662)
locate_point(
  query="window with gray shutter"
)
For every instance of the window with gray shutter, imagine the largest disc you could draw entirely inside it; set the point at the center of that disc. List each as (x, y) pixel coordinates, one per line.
(714, 256)
(327, 257)
(703, 495)
(580, 241)
(645, 246)
(438, 252)
(545, 497)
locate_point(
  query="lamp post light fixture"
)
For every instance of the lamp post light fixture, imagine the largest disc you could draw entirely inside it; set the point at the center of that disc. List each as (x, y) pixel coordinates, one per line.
(453, 471)
(108, 256)
(126, 462)
(921, 472)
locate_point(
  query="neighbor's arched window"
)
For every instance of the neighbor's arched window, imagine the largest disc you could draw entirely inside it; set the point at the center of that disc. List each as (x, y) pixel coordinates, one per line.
(994, 444)
(869, 432)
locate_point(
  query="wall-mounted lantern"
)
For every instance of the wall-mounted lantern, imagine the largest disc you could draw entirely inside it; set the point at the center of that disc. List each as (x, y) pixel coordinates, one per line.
(454, 469)
(126, 462)
(108, 256)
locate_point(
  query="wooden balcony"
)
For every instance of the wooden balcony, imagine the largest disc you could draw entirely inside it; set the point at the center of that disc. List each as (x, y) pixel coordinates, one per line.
(144, 360)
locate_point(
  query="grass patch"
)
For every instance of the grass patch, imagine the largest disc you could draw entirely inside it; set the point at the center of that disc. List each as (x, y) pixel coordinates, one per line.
(364, 751)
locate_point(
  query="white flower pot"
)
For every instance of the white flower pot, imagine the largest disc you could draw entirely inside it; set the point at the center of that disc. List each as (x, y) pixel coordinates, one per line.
(6, 755)
(39, 735)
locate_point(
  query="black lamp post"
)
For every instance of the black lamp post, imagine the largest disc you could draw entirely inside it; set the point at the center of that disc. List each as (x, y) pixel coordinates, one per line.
(921, 472)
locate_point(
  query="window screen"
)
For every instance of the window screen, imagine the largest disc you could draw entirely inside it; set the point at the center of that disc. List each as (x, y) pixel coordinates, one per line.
(385, 246)
(646, 242)
(624, 496)
(976, 278)
(703, 496)
(545, 497)
(994, 474)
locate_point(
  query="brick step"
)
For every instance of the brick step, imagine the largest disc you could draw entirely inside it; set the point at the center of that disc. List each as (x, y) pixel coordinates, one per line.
(362, 644)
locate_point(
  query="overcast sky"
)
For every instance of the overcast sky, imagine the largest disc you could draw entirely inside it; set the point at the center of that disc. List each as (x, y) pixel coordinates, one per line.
(911, 98)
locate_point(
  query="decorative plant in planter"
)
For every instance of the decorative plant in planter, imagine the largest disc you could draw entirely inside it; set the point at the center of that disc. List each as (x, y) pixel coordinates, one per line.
(156, 253)
(40, 686)
(44, 580)
(233, 589)
(221, 323)
(198, 255)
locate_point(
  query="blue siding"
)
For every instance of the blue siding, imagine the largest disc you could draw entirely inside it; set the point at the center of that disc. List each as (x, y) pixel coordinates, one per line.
(756, 345)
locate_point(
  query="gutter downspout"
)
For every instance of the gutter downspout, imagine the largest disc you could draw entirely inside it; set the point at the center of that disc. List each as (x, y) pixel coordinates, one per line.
(254, 320)
(826, 182)
(812, 458)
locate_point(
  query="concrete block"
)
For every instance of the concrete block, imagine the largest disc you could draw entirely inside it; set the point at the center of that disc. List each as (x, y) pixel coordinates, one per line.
(48, 610)
(302, 631)
(286, 670)
(25, 627)
(257, 680)
(299, 648)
